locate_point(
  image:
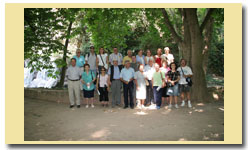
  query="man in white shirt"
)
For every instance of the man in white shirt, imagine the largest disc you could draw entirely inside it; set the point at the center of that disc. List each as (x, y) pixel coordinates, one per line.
(115, 56)
(184, 88)
(149, 71)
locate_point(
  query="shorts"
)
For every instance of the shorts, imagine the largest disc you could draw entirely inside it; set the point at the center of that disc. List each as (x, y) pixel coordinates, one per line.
(88, 94)
(173, 91)
(184, 88)
(164, 92)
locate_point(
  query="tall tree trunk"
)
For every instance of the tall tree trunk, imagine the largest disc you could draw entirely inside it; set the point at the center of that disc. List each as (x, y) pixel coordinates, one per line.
(200, 89)
(208, 38)
(62, 74)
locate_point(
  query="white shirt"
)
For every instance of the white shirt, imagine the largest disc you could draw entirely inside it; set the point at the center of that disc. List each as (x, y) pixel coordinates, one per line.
(149, 71)
(91, 60)
(103, 80)
(103, 59)
(169, 57)
(187, 71)
(114, 56)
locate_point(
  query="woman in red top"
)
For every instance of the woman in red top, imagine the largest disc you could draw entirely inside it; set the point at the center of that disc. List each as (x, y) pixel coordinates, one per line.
(158, 57)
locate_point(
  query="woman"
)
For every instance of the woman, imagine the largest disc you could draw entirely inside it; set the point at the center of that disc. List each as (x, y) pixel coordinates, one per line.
(102, 86)
(158, 83)
(148, 57)
(169, 57)
(88, 78)
(140, 58)
(140, 82)
(102, 60)
(173, 77)
(158, 57)
(165, 68)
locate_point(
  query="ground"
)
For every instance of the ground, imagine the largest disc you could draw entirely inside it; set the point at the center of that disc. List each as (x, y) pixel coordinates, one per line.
(51, 121)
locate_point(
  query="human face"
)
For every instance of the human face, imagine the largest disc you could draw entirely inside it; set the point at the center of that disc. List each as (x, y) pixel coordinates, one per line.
(140, 53)
(156, 67)
(141, 68)
(173, 67)
(115, 62)
(78, 53)
(127, 65)
(183, 63)
(102, 71)
(73, 62)
(159, 51)
(133, 59)
(129, 53)
(115, 50)
(92, 49)
(164, 64)
(150, 62)
(101, 50)
(148, 53)
(87, 68)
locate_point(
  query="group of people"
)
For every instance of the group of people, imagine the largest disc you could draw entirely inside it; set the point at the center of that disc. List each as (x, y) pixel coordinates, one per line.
(147, 81)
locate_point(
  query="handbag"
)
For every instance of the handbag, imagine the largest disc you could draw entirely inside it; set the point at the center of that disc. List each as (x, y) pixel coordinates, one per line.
(188, 79)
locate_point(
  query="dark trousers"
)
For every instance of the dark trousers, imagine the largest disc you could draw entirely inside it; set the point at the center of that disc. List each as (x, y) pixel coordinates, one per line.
(149, 93)
(128, 91)
(103, 94)
(157, 95)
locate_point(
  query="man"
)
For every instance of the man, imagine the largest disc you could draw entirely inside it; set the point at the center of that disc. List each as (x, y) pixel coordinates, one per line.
(149, 71)
(80, 61)
(73, 75)
(184, 88)
(127, 76)
(90, 59)
(128, 57)
(115, 56)
(115, 83)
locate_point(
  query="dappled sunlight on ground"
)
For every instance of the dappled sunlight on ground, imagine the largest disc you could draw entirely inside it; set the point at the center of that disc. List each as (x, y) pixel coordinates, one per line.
(199, 110)
(101, 133)
(140, 113)
(200, 104)
(215, 96)
(182, 139)
(166, 111)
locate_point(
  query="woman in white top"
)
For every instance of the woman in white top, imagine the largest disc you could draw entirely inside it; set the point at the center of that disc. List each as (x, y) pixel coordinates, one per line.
(102, 87)
(102, 60)
(148, 57)
(140, 82)
(169, 57)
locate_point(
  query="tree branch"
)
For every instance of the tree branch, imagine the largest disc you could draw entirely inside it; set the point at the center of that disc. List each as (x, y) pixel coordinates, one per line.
(207, 18)
(176, 37)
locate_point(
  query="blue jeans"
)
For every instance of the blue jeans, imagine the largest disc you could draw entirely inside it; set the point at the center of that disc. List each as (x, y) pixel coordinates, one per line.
(157, 95)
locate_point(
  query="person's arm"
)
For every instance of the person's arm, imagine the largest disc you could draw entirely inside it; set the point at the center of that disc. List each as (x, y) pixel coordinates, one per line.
(152, 82)
(123, 81)
(145, 60)
(107, 60)
(97, 62)
(97, 81)
(82, 80)
(86, 59)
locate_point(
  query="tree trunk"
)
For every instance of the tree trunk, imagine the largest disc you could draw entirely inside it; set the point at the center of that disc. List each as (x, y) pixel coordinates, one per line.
(200, 92)
(208, 38)
(62, 74)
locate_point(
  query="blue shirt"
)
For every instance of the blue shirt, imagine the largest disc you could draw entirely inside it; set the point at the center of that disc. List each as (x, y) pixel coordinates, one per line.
(80, 61)
(127, 74)
(140, 59)
(116, 72)
(87, 78)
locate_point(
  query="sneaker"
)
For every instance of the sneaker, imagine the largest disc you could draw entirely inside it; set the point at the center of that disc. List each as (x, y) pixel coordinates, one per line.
(87, 106)
(169, 106)
(183, 103)
(92, 106)
(71, 106)
(157, 107)
(189, 104)
(78, 106)
(176, 106)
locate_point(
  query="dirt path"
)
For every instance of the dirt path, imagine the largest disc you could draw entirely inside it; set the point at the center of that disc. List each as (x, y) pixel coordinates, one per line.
(50, 121)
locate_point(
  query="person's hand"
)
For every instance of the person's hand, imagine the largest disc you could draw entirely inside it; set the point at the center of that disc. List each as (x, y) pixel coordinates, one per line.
(109, 83)
(185, 76)
(137, 87)
(126, 82)
(172, 82)
(83, 81)
(108, 89)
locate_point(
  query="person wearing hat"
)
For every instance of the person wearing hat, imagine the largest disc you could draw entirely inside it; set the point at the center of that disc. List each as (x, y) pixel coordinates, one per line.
(127, 76)
(90, 59)
(167, 56)
(115, 83)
